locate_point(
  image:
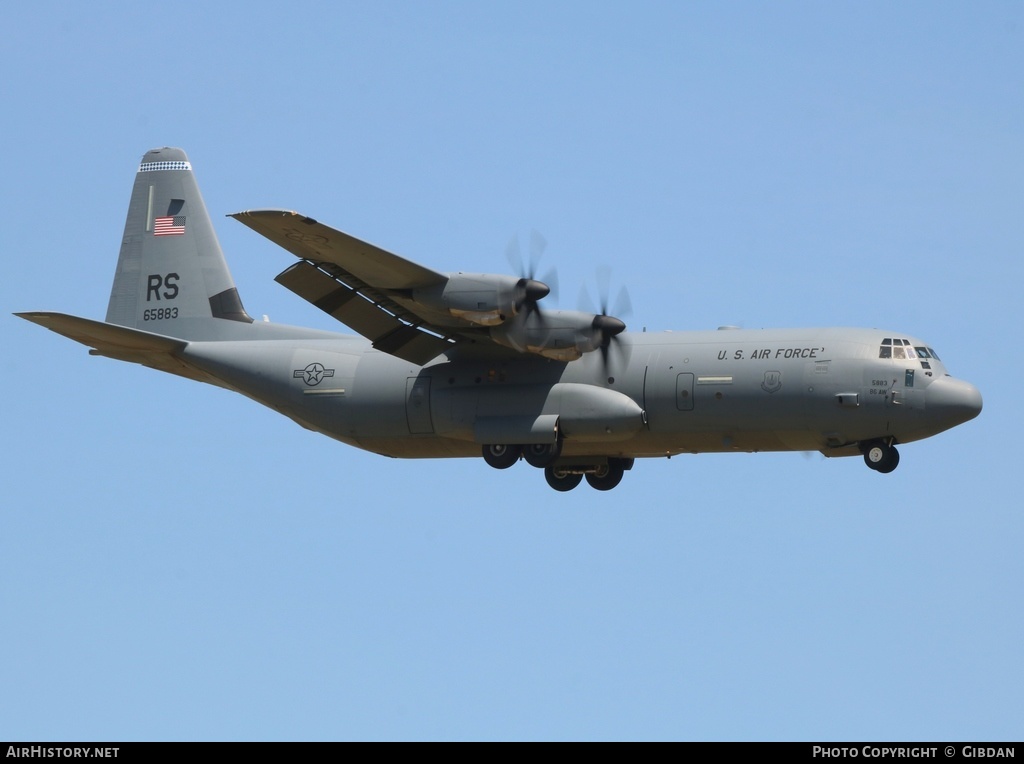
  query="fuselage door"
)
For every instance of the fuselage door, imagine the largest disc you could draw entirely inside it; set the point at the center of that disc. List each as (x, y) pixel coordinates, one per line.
(684, 391)
(417, 405)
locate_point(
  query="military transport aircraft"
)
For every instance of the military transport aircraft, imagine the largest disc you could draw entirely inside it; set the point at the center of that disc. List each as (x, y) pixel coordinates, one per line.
(470, 364)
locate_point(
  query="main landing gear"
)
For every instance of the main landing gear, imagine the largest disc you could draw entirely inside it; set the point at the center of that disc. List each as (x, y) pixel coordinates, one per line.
(501, 456)
(602, 476)
(881, 456)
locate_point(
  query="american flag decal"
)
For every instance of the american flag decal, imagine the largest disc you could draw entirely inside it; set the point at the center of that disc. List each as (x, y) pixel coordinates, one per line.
(169, 226)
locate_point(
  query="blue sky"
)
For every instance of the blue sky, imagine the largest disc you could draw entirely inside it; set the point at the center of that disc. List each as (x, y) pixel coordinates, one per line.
(177, 563)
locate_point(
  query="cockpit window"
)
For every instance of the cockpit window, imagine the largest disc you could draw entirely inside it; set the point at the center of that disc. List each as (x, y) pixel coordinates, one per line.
(902, 349)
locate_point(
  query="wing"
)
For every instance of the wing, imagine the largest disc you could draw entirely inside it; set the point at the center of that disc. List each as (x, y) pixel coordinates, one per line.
(415, 313)
(365, 287)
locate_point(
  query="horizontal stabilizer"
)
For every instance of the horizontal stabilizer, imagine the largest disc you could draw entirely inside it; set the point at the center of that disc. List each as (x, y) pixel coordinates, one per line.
(121, 342)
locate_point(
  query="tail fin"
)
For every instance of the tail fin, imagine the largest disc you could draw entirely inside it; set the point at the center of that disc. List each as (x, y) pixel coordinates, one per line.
(171, 276)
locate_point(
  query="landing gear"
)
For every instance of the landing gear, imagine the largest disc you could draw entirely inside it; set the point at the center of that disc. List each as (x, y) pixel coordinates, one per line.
(607, 476)
(500, 456)
(603, 473)
(881, 456)
(541, 455)
(602, 477)
(561, 479)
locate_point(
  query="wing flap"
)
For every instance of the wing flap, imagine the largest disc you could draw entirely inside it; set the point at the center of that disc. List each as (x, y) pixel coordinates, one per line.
(385, 328)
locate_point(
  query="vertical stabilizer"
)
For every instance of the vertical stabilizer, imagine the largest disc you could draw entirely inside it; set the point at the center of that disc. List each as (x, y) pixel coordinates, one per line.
(171, 276)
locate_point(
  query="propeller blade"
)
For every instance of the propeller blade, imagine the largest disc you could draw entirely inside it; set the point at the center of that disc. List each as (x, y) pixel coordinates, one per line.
(537, 246)
(584, 304)
(604, 278)
(623, 305)
(514, 255)
(607, 327)
(551, 279)
(529, 290)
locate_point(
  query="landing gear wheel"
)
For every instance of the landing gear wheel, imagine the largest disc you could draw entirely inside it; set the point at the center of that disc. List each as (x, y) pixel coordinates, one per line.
(500, 456)
(561, 479)
(606, 477)
(891, 463)
(881, 457)
(542, 454)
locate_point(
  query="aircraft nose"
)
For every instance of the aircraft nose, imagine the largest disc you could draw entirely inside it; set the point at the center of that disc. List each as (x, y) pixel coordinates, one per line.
(954, 400)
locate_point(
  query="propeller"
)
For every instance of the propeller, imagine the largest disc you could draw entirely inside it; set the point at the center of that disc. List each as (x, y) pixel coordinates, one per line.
(529, 290)
(608, 326)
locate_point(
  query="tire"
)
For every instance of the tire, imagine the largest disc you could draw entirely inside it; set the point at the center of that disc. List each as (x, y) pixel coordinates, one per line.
(606, 478)
(875, 455)
(561, 480)
(881, 457)
(501, 456)
(891, 463)
(542, 454)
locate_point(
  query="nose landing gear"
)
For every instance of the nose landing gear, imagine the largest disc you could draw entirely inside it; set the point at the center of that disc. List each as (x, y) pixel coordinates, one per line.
(881, 456)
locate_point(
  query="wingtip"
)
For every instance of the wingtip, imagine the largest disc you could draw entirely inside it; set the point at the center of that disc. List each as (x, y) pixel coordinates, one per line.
(264, 213)
(32, 315)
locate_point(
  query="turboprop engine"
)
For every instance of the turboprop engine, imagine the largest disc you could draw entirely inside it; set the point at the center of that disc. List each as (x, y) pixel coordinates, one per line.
(485, 299)
(562, 335)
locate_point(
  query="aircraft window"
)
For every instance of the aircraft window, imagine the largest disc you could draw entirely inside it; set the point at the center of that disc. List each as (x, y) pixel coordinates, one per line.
(934, 354)
(897, 347)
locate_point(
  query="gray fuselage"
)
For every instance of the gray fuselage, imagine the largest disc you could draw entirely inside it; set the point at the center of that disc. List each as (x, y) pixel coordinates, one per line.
(662, 394)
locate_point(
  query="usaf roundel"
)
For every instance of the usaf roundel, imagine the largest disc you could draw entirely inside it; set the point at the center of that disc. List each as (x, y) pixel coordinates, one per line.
(313, 374)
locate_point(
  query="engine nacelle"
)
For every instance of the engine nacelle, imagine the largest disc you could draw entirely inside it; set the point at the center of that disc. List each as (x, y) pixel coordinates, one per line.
(561, 335)
(485, 299)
